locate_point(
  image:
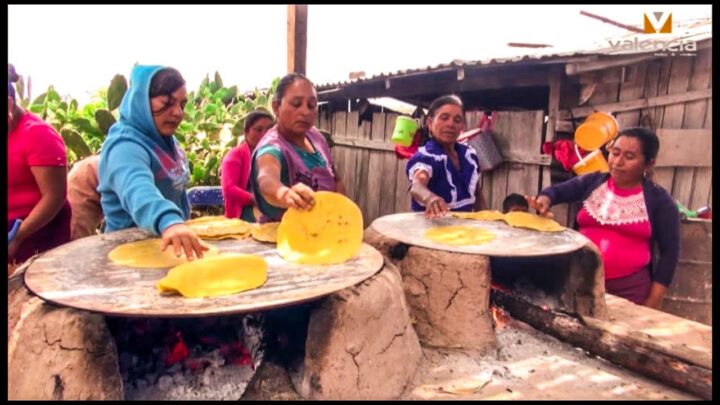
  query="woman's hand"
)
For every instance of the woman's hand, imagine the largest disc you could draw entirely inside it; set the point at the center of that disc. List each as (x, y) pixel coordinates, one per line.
(435, 206)
(299, 196)
(182, 238)
(655, 297)
(541, 204)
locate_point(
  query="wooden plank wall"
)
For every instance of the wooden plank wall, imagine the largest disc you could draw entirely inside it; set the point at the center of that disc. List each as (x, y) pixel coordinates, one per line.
(684, 166)
(375, 178)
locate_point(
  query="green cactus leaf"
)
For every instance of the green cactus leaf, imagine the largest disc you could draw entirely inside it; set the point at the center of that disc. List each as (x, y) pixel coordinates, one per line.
(75, 142)
(218, 80)
(197, 174)
(105, 119)
(210, 109)
(40, 99)
(116, 91)
(231, 93)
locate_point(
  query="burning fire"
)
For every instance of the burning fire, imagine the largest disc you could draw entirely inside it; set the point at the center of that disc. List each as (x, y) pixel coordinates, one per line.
(499, 316)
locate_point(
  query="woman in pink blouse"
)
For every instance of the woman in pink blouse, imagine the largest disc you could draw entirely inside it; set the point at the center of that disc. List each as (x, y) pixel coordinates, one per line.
(235, 168)
(627, 216)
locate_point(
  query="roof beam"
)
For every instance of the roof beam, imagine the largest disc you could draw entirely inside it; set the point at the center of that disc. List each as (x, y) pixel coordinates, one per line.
(577, 68)
(432, 84)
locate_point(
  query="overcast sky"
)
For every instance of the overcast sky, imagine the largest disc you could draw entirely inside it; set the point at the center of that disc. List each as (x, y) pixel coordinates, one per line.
(79, 48)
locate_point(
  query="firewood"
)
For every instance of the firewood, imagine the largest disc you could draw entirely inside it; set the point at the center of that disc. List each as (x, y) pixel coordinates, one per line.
(617, 348)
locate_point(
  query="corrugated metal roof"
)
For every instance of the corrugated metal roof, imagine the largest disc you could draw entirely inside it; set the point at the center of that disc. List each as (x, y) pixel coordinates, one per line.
(692, 30)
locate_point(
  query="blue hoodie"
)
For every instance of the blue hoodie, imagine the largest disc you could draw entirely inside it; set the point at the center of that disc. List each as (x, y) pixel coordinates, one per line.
(142, 177)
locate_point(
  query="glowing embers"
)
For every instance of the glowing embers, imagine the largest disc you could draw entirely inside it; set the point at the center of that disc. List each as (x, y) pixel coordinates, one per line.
(459, 235)
(330, 232)
(220, 275)
(147, 254)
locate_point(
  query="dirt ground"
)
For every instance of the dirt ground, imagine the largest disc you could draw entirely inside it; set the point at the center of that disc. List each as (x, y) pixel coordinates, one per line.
(529, 365)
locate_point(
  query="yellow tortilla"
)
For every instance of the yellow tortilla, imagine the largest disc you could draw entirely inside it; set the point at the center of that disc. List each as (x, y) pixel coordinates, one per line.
(219, 227)
(147, 254)
(215, 276)
(485, 215)
(330, 232)
(459, 235)
(266, 232)
(531, 221)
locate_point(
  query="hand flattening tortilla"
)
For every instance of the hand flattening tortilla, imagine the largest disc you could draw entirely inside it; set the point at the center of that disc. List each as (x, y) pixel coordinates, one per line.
(330, 232)
(147, 254)
(215, 276)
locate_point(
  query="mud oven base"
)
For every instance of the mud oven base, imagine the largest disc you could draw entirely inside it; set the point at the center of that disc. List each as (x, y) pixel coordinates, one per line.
(359, 343)
(363, 342)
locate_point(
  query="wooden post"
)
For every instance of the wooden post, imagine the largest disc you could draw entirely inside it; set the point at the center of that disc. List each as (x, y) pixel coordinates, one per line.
(297, 37)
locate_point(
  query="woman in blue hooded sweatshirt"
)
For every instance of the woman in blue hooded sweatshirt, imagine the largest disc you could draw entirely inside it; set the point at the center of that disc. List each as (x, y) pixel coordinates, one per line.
(142, 172)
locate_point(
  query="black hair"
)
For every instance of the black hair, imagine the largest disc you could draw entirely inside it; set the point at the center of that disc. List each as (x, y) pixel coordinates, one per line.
(649, 142)
(164, 83)
(285, 82)
(443, 100)
(254, 116)
(514, 199)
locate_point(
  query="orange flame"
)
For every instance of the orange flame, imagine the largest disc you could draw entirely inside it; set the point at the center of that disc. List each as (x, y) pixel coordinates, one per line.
(500, 317)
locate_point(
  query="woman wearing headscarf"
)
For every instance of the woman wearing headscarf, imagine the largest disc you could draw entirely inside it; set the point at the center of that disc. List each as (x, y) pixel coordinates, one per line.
(143, 173)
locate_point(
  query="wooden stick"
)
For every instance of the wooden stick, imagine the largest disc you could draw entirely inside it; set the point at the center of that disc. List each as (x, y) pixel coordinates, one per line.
(662, 367)
(615, 23)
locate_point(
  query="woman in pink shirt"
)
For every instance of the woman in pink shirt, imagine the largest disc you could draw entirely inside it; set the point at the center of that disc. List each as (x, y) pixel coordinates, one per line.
(235, 168)
(37, 167)
(627, 216)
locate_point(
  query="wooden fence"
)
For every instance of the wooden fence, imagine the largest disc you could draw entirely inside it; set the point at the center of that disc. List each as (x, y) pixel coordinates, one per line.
(375, 178)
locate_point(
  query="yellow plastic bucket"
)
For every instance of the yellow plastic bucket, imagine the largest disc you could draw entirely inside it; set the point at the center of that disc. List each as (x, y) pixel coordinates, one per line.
(593, 162)
(598, 129)
(404, 130)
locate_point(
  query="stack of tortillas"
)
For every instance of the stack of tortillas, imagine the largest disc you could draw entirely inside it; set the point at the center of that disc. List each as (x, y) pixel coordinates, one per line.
(265, 232)
(330, 232)
(220, 227)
